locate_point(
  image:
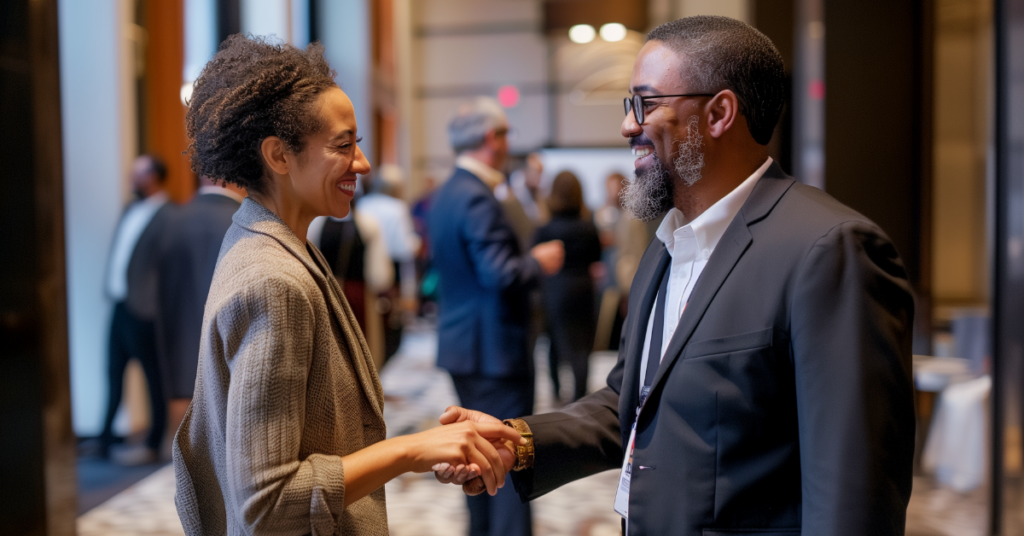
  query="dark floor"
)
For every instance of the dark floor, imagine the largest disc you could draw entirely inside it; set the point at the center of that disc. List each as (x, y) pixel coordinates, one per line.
(100, 479)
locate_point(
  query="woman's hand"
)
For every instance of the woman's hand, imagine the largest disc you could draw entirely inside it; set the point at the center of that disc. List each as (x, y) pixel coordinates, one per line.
(463, 476)
(473, 445)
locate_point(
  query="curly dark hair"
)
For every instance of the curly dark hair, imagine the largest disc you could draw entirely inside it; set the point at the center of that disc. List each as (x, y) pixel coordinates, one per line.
(252, 89)
(725, 53)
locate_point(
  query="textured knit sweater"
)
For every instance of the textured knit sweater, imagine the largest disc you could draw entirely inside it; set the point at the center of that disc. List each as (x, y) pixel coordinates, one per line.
(285, 388)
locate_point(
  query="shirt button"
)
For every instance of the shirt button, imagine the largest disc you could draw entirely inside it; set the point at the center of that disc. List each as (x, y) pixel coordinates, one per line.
(707, 254)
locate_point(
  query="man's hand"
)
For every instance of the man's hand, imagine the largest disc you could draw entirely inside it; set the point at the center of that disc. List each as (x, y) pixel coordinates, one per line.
(550, 255)
(462, 475)
(475, 445)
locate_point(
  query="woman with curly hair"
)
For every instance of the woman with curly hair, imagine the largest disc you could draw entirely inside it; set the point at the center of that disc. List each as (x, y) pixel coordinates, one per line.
(285, 434)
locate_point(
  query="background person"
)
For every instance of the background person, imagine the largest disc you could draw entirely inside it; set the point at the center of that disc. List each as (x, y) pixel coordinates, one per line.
(568, 295)
(484, 319)
(285, 434)
(624, 239)
(356, 254)
(132, 283)
(386, 204)
(525, 185)
(188, 258)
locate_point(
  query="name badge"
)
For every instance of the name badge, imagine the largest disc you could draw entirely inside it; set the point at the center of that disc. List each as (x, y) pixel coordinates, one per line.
(622, 492)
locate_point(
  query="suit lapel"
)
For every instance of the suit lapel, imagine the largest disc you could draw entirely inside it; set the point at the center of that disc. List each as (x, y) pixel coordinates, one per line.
(734, 243)
(649, 275)
(257, 218)
(346, 319)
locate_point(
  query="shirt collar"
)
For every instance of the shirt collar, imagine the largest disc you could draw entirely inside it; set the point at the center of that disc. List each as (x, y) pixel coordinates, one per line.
(219, 191)
(708, 228)
(490, 176)
(157, 199)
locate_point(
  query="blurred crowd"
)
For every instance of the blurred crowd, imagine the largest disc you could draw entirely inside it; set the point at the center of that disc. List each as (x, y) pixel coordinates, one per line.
(398, 261)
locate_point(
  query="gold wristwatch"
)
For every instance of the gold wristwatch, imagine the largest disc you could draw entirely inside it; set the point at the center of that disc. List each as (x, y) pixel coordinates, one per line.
(524, 453)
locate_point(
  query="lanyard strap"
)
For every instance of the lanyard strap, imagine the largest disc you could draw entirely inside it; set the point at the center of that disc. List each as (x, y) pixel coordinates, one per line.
(653, 357)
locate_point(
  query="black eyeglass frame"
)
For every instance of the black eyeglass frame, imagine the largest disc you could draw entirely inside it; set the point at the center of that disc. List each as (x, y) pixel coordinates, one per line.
(636, 103)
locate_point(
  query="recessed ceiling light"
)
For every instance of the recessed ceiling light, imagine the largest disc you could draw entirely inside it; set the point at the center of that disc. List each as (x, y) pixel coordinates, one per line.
(582, 33)
(613, 31)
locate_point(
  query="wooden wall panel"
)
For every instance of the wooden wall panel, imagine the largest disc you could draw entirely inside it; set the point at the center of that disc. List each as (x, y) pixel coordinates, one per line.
(165, 58)
(37, 448)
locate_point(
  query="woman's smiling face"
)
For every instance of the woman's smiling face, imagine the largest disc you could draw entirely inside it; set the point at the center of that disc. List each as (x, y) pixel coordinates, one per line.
(325, 174)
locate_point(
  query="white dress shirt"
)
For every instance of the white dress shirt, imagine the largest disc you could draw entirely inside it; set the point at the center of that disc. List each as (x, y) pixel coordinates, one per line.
(131, 227)
(219, 190)
(690, 245)
(395, 221)
(490, 176)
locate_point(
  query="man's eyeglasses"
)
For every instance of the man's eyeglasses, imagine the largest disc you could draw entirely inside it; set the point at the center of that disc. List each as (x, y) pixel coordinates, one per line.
(636, 103)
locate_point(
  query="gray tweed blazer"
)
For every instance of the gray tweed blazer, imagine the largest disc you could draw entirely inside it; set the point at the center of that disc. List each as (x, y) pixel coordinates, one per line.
(285, 388)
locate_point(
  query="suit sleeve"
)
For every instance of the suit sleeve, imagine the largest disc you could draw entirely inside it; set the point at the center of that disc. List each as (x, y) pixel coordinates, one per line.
(267, 333)
(852, 314)
(580, 440)
(493, 248)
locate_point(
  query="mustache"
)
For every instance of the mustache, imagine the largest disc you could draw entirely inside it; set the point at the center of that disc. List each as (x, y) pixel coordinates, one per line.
(640, 140)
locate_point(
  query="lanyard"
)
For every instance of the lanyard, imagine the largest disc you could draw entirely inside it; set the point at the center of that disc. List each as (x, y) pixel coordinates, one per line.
(648, 369)
(649, 366)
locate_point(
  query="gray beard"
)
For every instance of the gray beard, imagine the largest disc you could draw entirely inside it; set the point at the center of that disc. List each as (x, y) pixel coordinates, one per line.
(650, 193)
(690, 161)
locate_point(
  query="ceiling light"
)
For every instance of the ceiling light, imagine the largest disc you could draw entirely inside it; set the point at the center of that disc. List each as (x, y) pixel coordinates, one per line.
(582, 33)
(186, 93)
(613, 32)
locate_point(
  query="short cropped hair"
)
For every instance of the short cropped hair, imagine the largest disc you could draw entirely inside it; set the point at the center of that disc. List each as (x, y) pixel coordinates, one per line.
(725, 53)
(250, 90)
(471, 122)
(157, 167)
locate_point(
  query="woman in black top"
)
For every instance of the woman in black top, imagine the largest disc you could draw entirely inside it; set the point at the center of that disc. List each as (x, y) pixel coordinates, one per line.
(569, 295)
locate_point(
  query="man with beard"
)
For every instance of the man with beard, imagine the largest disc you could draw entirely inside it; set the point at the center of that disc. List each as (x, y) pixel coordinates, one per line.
(763, 382)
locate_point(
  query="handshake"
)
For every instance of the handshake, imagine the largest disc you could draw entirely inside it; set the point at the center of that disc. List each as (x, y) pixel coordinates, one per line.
(473, 478)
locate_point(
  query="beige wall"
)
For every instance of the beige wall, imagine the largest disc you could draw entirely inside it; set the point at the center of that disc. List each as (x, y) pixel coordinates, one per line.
(451, 50)
(963, 74)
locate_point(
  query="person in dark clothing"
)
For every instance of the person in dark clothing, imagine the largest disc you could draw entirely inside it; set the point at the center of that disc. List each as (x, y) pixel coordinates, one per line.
(132, 282)
(569, 294)
(188, 257)
(358, 257)
(483, 327)
(345, 250)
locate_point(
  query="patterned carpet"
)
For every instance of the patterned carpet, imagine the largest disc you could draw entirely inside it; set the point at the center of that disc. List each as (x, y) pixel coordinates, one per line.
(416, 393)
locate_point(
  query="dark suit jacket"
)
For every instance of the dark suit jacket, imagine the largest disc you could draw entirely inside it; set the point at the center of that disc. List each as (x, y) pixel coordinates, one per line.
(188, 259)
(144, 265)
(483, 326)
(784, 401)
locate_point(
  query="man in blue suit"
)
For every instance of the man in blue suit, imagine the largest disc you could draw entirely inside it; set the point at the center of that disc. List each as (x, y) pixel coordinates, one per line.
(485, 278)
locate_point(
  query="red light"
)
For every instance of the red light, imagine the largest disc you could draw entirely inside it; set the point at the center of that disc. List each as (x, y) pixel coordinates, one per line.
(508, 96)
(817, 89)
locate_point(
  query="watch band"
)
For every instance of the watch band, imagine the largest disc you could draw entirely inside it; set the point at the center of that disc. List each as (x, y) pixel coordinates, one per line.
(524, 453)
